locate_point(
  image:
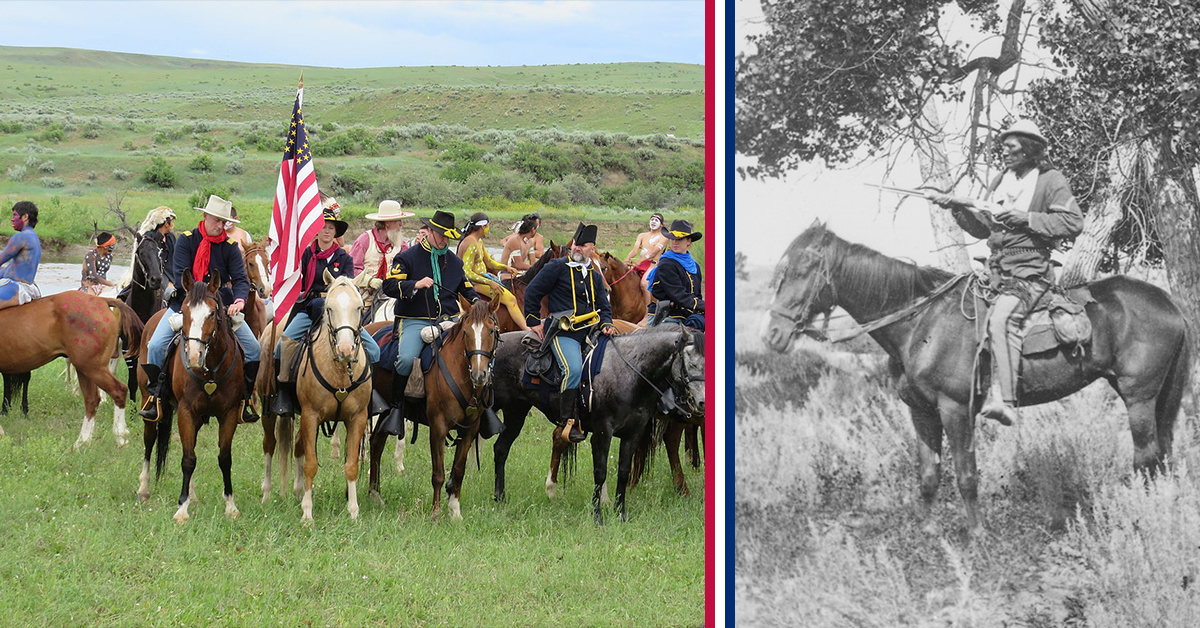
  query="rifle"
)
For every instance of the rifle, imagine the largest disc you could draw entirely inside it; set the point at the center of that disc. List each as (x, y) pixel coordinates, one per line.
(982, 208)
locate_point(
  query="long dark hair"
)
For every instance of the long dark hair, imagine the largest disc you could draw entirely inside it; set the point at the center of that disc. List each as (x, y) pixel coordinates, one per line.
(471, 226)
(1035, 151)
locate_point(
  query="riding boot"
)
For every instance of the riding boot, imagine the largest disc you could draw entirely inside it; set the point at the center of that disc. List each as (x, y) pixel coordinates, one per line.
(393, 421)
(1001, 398)
(489, 423)
(250, 370)
(571, 430)
(285, 403)
(156, 381)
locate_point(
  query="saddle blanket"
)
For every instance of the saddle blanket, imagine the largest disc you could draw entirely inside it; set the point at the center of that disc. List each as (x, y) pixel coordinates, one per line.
(389, 349)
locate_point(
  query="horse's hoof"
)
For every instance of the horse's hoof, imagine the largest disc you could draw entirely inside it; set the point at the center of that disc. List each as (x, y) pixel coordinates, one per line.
(234, 514)
(551, 488)
(181, 519)
(143, 497)
(353, 513)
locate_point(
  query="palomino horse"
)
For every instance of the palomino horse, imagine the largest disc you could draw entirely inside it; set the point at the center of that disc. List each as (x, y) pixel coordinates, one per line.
(1139, 346)
(625, 393)
(207, 381)
(454, 389)
(84, 329)
(333, 384)
(626, 295)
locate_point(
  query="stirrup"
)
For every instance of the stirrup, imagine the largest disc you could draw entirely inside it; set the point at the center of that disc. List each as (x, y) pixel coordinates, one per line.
(248, 413)
(392, 423)
(151, 410)
(571, 432)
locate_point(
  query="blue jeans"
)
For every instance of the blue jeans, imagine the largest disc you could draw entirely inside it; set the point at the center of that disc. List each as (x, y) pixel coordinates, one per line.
(301, 323)
(570, 359)
(156, 350)
(410, 343)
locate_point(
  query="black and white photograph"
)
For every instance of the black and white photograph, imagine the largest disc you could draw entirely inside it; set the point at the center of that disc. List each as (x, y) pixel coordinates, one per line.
(966, 305)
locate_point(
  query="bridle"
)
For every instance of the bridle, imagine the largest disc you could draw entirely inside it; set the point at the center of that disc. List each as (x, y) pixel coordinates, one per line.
(246, 256)
(801, 313)
(477, 391)
(209, 382)
(340, 393)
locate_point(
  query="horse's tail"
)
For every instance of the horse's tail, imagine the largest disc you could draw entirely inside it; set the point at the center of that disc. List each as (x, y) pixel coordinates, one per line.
(265, 384)
(643, 456)
(131, 328)
(162, 438)
(285, 427)
(1170, 396)
(693, 440)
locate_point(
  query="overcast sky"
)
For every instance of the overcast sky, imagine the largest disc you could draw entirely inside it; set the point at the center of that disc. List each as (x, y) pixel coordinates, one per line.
(361, 34)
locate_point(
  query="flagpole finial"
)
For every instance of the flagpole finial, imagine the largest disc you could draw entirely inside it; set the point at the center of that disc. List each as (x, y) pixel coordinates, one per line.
(301, 79)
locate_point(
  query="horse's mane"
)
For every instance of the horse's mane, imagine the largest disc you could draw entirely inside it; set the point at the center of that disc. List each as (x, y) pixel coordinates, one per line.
(478, 313)
(648, 343)
(197, 294)
(548, 255)
(861, 270)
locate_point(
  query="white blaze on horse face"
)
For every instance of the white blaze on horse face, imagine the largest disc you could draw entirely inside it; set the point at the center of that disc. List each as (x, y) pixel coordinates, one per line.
(343, 305)
(478, 366)
(200, 313)
(263, 274)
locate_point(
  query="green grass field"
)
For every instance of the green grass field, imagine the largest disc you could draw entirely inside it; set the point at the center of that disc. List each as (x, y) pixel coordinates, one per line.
(78, 548)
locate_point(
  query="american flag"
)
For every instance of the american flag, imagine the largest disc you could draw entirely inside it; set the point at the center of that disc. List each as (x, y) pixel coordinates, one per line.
(296, 217)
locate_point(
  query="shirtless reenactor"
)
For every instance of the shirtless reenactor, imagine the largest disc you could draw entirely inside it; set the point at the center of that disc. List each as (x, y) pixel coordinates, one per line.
(19, 259)
(648, 246)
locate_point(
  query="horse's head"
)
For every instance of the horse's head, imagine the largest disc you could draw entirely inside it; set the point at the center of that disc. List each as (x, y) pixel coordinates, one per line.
(688, 370)
(481, 335)
(343, 315)
(203, 318)
(257, 264)
(802, 287)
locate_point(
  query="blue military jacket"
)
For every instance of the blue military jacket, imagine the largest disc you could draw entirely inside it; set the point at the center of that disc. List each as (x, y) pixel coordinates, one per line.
(675, 284)
(416, 263)
(225, 258)
(340, 264)
(567, 288)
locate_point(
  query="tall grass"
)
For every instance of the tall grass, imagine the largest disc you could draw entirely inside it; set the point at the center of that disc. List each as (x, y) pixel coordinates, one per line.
(77, 547)
(828, 522)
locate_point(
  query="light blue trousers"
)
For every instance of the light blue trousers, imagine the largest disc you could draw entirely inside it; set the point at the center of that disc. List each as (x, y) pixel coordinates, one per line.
(570, 359)
(157, 349)
(410, 343)
(301, 323)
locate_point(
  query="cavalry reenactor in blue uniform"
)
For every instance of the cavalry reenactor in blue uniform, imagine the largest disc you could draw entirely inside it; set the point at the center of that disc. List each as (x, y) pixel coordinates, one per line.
(578, 300)
(677, 279)
(322, 255)
(203, 251)
(426, 280)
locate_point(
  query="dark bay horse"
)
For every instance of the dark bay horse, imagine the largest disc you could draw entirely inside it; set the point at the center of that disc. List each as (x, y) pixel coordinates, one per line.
(454, 388)
(1139, 346)
(144, 293)
(81, 327)
(625, 401)
(207, 381)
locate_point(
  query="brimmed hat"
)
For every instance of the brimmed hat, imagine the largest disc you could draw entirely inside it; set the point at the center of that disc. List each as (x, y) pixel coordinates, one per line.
(220, 208)
(390, 210)
(584, 234)
(442, 222)
(681, 229)
(1024, 127)
(330, 204)
(341, 225)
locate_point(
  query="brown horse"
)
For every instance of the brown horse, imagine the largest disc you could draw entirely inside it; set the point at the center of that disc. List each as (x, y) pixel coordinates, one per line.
(1139, 345)
(626, 295)
(207, 381)
(454, 388)
(84, 329)
(333, 384)
(257, 262)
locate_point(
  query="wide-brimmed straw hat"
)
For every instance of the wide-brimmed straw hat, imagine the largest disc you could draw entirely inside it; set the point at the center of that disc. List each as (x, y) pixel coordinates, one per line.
(220, 208)
(1024, 127)
(389, 210)
(341, 225)
(442, 222)
(681, 229)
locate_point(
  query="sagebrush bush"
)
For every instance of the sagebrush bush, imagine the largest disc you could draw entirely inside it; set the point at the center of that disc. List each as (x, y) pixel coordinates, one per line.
(53, 182)
(15, 172)
(46, 167)
(160, 173)
(120, 175)
(202, 163)
(234, 168)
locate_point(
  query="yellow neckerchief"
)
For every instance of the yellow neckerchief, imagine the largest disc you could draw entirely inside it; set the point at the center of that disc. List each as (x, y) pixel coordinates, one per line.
(591, 281)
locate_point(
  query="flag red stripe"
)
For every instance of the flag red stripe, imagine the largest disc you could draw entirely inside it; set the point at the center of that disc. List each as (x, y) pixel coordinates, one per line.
(295, 220)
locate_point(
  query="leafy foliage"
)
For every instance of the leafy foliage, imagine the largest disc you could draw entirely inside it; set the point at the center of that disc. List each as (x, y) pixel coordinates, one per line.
(160, 173)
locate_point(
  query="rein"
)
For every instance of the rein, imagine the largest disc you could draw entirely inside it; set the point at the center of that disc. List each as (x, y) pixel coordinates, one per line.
(339, 393)
(690, 378)
(210, 384)
(463, 403)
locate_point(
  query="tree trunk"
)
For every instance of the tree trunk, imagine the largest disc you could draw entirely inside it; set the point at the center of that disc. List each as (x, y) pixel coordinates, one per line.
(935, 171)
(1083, 261)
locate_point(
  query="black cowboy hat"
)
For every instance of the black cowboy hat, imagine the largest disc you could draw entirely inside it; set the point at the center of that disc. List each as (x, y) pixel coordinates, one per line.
(681, 229)
(443, 222)
(340, 226)
(584, 234)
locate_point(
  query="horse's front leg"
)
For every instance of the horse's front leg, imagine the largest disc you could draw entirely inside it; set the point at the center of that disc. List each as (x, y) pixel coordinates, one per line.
(378, 442)
(601, 442)
(400, 444)
(306, 446)
(671, 438)
(558, 447)
(120, 429)
(437, 455)
(514, 420)
(226, 426)
(459, 471)
(929, 457)
(335, 443)
(187, 442)
(354, 437)
(959, 425)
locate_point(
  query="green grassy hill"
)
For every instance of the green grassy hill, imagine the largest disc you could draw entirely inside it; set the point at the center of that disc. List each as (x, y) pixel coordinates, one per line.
(614, 140)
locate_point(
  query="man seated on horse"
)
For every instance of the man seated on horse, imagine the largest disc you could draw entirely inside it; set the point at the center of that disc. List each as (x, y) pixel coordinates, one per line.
(518, 246)
(96, 264)
(677, 279)
(1031, 208)
(648, 247)
(374, 250)
(482, 270)
(575, 291)
(203, 251)
(236, 233)
(20, 258)
(426, 280)
(322, 255)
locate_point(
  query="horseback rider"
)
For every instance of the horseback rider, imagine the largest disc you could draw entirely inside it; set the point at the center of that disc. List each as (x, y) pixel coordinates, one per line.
(20, 257)
(374, 250)
(481, 268)
(96, 264)
(648, 247)
(677, 279)
(575, 290)
(323, 254)
(426, 281)
(202, 251)
(1031, 208)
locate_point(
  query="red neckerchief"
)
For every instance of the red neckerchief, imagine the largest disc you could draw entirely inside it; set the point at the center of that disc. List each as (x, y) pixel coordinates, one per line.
(204, 252)
(310, 271)
(384, 247)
